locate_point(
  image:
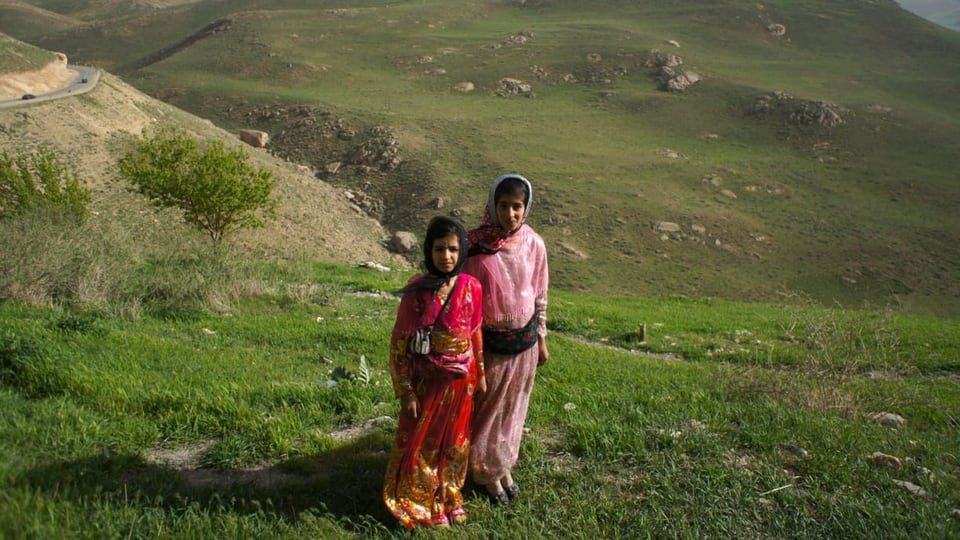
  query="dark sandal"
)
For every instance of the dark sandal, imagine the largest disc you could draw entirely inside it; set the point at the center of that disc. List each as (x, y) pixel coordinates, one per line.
(512, 491)
(498, 499)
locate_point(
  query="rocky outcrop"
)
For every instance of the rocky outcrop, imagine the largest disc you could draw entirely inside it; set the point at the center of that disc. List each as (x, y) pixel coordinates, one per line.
(514, 87)
(669, 71)
(797, 111)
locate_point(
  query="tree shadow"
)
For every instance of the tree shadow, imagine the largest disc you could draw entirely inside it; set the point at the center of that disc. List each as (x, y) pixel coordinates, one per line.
(344, 484)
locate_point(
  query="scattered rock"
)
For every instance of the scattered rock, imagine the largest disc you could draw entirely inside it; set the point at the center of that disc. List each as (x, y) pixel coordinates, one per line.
(519, 38)
(670, 154)
(666, 227)
(465, 86)
(658, 59)
(728, 193)
(693, 425)
(403, 242)
(886, 459)
(673, 43)
(887, 419)
(539, 72)
(381, 150)
(911, 487)
(777, 29)
(255, 138)
(594, 57)
(332, 167)
(713, 179)
(374, 266)
(514, 87)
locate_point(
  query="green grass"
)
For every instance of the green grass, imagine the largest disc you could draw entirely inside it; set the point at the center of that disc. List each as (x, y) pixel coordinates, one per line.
(194, 424)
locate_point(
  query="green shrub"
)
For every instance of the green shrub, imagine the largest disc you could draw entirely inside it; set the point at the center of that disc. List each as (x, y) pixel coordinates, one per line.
(40, 181)
(215, 188)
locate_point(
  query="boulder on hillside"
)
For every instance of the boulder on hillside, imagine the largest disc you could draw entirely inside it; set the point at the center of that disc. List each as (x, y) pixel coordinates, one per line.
(403, 242)
(681, 81)
(514, 87)
(667, 69)
(255, 138)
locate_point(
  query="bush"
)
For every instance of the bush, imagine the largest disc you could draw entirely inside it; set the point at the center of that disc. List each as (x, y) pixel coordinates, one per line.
(215, 188)
(40, 182)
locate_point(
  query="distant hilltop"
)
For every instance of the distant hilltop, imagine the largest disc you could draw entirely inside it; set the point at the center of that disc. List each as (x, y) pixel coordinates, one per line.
(943, 12)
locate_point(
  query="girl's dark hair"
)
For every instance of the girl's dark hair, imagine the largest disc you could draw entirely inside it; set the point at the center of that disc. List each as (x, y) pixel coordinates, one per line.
(439, 227)
(512, 186)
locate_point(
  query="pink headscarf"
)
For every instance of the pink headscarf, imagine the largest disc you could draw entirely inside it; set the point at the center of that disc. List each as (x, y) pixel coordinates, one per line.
(490, 235)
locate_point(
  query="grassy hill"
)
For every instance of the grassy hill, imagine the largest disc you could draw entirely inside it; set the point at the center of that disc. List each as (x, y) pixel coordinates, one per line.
(148, 389)
(18, 56)
(770, 203)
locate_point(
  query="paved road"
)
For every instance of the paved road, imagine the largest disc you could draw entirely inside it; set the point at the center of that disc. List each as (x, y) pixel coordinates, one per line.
(85, 81)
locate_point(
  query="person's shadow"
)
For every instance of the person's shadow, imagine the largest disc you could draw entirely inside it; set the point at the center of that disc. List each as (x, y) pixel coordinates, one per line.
(344, 484)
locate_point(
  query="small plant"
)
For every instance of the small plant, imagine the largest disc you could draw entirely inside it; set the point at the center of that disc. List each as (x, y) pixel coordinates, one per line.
(40, 181)
(363, 371)
(215, 187)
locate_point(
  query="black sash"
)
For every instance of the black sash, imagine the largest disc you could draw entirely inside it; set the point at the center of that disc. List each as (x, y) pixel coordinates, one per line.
(510, 340)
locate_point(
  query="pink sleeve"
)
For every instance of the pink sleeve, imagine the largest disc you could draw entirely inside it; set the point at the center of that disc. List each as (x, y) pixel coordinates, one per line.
(408, 317)
(541, 282)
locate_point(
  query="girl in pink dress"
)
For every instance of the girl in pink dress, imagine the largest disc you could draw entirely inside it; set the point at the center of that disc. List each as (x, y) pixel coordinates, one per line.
(435, 384)
(510, 260)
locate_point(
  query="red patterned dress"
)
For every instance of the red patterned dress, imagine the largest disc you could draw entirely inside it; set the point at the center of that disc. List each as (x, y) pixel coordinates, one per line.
(429, 459)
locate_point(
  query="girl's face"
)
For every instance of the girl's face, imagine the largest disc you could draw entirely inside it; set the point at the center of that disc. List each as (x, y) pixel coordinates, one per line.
(445, 253)
(510, 210)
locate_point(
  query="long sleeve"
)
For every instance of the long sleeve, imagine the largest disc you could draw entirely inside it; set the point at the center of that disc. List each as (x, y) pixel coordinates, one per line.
(408, 317)
(541, 279)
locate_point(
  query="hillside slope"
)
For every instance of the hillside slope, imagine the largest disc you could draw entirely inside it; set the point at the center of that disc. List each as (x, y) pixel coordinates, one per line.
(91, 132)
(814, 156)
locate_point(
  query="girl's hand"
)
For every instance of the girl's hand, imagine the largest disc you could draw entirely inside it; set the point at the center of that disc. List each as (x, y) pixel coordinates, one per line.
(543, 353)
(482, 384)
(411, 405)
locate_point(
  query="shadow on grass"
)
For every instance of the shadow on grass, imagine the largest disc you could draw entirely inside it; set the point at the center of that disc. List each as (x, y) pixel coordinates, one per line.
(343, 485)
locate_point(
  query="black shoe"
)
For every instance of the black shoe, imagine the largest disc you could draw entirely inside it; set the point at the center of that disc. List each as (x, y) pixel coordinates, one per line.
(513, 491)
(498, 499)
